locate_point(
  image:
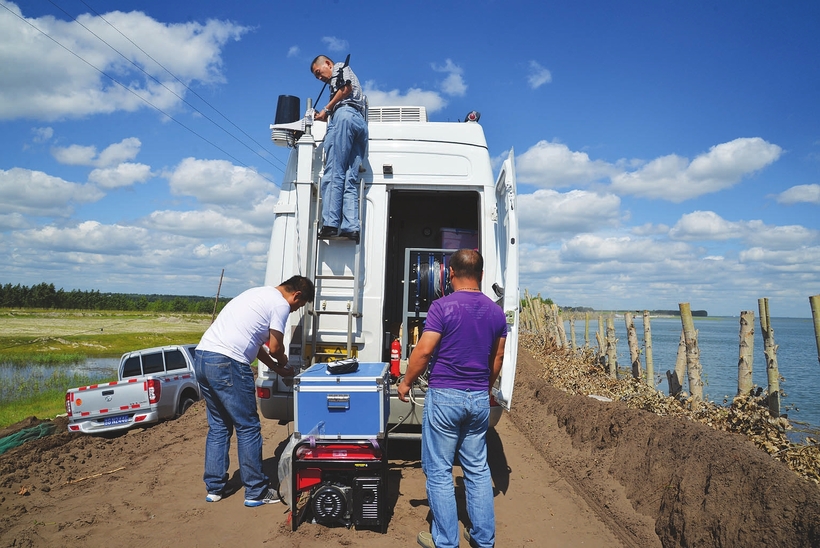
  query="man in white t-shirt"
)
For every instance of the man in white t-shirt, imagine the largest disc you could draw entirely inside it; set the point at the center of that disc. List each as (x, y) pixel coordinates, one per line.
(222, 365)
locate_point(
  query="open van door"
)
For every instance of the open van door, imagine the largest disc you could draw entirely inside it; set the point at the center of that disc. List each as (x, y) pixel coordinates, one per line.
(506, 275)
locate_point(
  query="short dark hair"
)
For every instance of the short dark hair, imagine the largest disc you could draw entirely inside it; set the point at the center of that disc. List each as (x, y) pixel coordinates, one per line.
(300, 283)
(467, 263)
(319, 59)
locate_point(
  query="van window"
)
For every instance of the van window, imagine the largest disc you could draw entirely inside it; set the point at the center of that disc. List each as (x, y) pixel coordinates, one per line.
(131, 367)
(152, 363)
(174, 359)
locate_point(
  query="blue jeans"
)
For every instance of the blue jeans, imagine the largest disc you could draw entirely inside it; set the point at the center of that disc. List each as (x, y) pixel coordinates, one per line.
(230, 394)
(456, 422)
(345, 145)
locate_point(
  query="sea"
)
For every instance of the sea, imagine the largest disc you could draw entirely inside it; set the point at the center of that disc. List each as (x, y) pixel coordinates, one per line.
(719, 345)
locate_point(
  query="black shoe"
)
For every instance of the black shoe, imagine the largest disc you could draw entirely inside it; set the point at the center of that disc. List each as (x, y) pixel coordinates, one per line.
(328, 232)
(350, 236)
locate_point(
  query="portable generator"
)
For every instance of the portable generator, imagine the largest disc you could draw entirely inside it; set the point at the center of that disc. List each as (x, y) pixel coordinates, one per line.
(340, 483)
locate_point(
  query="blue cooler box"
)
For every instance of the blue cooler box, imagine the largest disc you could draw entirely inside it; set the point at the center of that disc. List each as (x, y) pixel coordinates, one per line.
(351, 405)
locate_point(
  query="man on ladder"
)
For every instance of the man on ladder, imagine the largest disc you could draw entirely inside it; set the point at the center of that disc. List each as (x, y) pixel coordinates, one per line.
(345, 146)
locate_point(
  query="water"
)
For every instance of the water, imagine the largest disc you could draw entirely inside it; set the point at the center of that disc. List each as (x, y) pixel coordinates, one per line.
(19, 380)
(718, 341)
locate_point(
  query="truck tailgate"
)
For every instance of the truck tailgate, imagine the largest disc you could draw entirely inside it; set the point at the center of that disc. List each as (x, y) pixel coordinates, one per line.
(109, 404)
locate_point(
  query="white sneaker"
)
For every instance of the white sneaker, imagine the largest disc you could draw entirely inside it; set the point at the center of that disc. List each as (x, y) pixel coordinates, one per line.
(213, 497)
(270, 497)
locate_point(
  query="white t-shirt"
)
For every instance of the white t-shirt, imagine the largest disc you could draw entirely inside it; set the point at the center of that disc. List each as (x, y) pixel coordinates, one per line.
(245, 323)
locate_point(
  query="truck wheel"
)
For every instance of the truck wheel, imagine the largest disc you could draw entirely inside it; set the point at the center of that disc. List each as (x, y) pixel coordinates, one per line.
(184, 404)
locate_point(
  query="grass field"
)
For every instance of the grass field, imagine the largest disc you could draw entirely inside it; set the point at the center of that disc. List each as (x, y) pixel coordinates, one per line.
(53, 338)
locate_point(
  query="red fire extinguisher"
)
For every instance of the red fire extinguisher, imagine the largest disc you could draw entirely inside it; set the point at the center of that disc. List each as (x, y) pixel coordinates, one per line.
(395, 355)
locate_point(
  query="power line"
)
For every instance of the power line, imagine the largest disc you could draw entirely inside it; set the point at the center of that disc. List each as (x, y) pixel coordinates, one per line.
(174, 76)
(138, 96)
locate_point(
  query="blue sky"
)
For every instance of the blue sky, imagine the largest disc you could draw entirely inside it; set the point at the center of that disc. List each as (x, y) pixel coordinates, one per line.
(666, 152)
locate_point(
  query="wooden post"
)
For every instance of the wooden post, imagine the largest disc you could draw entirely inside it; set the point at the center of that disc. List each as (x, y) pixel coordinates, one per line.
(745, 360)
(814, 301)
(675, 379)
(647, 343)
(634, 347)
(554, 329)
(770, 351)
(572, 344)
(601, 338)
(559, 323)
(586, 331)
(611, 350)
(216, 301)
(693, 365)
(534, 316)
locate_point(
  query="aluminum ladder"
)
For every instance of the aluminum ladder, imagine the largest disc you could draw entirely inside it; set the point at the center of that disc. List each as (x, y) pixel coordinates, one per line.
(322, 303)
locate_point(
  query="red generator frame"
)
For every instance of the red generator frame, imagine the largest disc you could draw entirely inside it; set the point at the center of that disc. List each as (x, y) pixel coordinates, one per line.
(340, 482)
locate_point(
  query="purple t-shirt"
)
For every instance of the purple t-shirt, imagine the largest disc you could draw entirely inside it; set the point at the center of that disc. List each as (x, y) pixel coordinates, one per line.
(469, 323)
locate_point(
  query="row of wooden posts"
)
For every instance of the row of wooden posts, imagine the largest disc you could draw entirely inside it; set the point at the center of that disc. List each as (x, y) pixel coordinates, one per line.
(547, 320)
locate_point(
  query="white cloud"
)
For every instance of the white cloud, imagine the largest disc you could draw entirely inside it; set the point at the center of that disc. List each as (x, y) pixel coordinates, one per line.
(219, 182)
(79, 155)
(538, 75)
(335, 44)
(431, 100)
(705, 225)
(453, 84)
(623, 249)
(778, 237)
(39, 194)
(201, 224)
(800, 194)
(650, 229)
(676, 179)
(554, 165)
(125, 174)
(548, 213)
(12, 221)
(293, 51)
(804, 259)
(46, 72)
(88, 237)
(708, 226)
(42, 134)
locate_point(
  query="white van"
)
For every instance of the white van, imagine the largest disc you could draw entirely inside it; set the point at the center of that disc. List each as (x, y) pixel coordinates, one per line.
(427, 189)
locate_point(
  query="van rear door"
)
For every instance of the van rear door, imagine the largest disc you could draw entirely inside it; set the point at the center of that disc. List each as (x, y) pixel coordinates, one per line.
(506, 239)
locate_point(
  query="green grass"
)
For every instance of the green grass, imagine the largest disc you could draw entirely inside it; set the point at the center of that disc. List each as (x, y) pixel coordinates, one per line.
(76, 348)
(31, 338)
(45, 405)
(37, 394)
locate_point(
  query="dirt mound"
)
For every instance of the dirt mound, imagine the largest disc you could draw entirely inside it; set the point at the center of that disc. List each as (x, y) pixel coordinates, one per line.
(701, 487)
(568, 470)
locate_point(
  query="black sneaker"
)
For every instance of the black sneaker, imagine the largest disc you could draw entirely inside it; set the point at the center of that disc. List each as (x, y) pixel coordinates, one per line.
(350, 236)
(328, 232)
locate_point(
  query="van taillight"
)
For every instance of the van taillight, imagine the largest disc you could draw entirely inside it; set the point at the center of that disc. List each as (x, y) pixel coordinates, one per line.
(263, 393)
(69, 397)
(154, 388)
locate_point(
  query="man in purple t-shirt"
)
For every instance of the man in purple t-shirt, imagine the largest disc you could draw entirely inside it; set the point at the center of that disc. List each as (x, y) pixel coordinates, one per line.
(463, 342)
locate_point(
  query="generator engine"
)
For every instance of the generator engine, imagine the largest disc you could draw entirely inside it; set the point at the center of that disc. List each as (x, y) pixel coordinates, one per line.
(341, 483)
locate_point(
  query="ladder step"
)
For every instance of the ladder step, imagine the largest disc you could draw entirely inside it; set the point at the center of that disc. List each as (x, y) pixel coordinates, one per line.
(334, 277)
(337, 313)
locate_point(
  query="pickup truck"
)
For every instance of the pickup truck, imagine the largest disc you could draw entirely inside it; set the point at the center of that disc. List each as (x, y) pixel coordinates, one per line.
(153, 384)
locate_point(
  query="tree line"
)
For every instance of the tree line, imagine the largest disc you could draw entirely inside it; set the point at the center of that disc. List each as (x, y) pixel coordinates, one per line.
(45, 295)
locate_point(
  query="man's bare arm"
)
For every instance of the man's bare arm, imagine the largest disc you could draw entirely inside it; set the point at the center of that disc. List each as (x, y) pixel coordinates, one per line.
(496, 360)
(418, 361)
